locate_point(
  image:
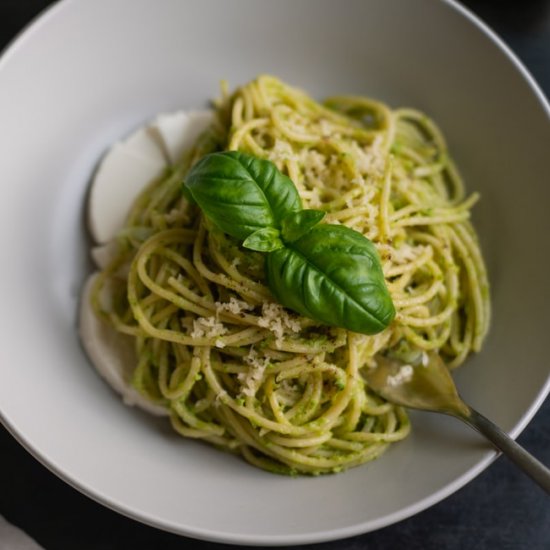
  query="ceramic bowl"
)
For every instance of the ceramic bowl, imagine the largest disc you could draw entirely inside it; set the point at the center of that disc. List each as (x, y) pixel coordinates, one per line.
(87, 73)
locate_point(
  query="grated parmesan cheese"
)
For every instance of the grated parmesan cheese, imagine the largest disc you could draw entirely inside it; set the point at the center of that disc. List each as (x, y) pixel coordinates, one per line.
(233, 306)
(327, 129)
(275, 318)
(406, 253)
(314, 198)
(281, 152)
(250, 381)
(404, 374)
(207, 327)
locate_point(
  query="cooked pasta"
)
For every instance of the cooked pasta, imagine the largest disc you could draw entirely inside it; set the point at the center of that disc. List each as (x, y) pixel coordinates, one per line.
(232, 366)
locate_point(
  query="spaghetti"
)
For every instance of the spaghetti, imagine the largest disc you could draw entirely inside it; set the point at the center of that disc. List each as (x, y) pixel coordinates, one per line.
(236, 369)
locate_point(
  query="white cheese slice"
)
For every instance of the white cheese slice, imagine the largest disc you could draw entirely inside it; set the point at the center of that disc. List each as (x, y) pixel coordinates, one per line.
(111, 353)
(133, 163)
(141, 144)
(103, 254)
(122, 174)
(124, 171)
(178, 131)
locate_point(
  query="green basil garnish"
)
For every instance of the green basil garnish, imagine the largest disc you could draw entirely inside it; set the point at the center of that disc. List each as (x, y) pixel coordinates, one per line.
(241, 193)
(329, 273)
(332, 274)
(264, 240)
(299, 223)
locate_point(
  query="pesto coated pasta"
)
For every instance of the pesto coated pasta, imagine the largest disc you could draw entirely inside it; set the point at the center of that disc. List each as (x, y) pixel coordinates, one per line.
(230, 364)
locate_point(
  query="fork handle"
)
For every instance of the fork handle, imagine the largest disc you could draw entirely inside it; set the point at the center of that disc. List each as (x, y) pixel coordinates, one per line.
(516, 453)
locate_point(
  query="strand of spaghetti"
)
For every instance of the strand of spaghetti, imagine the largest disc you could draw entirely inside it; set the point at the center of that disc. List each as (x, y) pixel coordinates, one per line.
(244, 337)
(139, 270)
(482, 282)
(433, 220)
(214, 307)
(384, 222)
(183, 429)
(427, 344)
(233, 272)
(376, 410)
(189, 269)
(352, 414)
(251, 415)
(420, 298)
(192, 420)
(402, 269)
(307, 406)
(430, 170)
(286, 130)
(220, 279)
(276, 408)
(237, 112)
(304, 347)
(295, 443)
(476, 299)
(180, 393)
(376, 109)
(458, 208)
(390, 436)
(248, 111)
(239, 135)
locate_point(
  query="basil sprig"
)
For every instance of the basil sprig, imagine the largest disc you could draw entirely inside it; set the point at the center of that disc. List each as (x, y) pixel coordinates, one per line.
(329, 273)
(241, 193)
(332, 274)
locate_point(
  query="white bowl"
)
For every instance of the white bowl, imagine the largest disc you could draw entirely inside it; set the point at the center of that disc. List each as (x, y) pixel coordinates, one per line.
(87, 73)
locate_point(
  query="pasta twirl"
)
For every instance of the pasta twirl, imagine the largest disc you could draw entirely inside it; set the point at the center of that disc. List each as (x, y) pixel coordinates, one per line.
(232, 366)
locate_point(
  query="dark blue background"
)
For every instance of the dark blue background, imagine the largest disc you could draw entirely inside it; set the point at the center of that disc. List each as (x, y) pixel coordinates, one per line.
(501, 509)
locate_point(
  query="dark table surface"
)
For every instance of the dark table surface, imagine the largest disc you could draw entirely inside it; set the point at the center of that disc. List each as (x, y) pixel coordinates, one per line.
(501, 509)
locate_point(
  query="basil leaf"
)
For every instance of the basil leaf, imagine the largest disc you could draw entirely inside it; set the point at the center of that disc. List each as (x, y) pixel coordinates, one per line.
(333, 275)
(297, 224)
(187, 194)
(264, 240)
(241, 193)
(328, 273)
